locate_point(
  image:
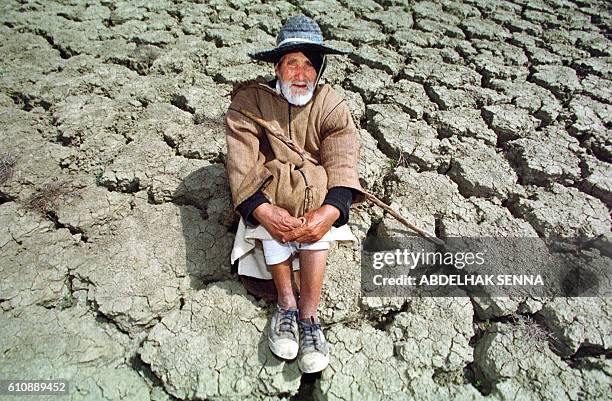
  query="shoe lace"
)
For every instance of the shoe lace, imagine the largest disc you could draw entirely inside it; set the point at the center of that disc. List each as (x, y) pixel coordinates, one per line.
(310, 337)
(287, 317)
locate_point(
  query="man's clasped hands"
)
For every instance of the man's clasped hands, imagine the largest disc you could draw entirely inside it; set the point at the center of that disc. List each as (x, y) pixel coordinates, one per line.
(285, 228)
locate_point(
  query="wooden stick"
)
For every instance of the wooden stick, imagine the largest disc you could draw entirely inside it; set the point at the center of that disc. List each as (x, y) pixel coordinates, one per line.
(370, 197)
(428, 236)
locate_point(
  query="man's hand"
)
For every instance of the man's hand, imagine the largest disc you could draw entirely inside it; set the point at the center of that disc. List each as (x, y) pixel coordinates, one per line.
(277, 221)
(318, 222)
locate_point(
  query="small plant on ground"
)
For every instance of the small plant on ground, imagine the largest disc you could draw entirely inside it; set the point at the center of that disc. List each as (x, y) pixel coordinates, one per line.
(47, 198)
(143, 57)
(527, 326)
(401, 161)
(7, 167)
(99, 175)
(67, 301)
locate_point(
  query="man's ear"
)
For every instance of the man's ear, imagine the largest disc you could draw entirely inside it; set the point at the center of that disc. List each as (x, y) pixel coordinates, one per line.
(278, 63)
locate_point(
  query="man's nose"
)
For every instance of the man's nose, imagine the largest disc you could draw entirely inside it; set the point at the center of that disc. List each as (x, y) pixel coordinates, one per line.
(300, 74)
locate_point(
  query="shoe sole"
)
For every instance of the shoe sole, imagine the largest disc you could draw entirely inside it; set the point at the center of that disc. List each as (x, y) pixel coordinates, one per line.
(313, 366)
(283, 348)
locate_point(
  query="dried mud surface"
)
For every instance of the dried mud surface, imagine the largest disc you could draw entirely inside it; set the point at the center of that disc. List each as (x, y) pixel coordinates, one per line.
(480, 118)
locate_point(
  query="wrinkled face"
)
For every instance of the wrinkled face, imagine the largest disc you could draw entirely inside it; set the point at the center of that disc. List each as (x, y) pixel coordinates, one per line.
(297, 76)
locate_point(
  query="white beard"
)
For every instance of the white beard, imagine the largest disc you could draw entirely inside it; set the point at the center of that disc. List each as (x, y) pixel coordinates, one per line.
(294, 99)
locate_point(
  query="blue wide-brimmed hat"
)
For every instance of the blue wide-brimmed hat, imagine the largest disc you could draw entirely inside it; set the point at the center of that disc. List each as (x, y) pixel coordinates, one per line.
(298, 33)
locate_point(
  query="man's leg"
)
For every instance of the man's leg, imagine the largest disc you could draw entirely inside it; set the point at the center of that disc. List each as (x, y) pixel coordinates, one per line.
(281, 274)
(283, 332)
(296, 282)
(313, 355)
(312, 272)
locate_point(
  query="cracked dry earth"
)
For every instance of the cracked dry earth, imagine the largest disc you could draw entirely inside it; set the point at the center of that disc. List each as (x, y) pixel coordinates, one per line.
(481, 118)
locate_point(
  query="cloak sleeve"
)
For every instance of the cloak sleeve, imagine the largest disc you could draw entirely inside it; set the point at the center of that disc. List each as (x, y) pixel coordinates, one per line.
(244, 163)
(340, 150)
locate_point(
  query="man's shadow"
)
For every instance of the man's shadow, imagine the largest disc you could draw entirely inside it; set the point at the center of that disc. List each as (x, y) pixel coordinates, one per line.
(208, 227)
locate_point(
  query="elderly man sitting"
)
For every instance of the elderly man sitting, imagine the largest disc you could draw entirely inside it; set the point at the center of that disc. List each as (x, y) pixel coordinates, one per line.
(292, 153)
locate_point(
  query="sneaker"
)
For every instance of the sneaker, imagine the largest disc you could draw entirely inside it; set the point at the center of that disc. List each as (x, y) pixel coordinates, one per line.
(314, 350)
(283, 333)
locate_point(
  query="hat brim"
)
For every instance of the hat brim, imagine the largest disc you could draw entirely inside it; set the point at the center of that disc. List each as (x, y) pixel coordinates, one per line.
(273, 55)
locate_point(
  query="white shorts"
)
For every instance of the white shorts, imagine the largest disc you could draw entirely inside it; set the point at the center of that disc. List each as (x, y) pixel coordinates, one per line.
(276, 252)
